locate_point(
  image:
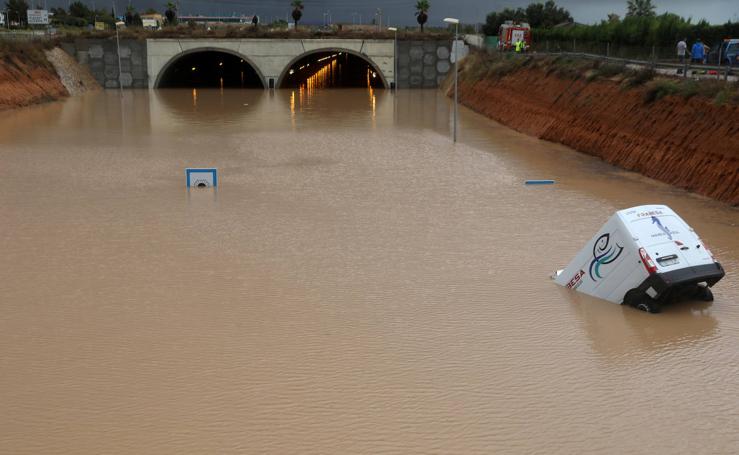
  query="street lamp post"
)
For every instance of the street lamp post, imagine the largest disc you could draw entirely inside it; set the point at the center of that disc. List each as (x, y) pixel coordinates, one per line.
(118, 49)
(451, 20)
(395, 55)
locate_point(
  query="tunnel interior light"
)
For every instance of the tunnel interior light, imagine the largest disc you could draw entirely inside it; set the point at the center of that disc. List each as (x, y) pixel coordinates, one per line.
(194, 68)
(292, 71)
(220, 64)
(374, 75)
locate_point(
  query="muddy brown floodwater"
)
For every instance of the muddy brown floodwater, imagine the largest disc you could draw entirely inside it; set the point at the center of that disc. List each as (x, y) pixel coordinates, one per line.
(356, 285)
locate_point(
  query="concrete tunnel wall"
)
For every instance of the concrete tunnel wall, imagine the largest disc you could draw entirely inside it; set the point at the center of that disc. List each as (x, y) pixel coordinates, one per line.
(269, 57)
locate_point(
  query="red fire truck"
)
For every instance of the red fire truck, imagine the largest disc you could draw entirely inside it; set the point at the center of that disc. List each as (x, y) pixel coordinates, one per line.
(510, 33)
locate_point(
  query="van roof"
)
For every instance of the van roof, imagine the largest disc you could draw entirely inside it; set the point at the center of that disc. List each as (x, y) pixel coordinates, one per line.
(644, 211)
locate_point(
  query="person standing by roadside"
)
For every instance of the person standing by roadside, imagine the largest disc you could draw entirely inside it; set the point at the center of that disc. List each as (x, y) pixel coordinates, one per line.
(698, 52)
(682, 49)
(706, 50)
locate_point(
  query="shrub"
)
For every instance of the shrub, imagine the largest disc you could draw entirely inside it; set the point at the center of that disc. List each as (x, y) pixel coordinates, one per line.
(608, 70)
(660, 88)
(636, 78)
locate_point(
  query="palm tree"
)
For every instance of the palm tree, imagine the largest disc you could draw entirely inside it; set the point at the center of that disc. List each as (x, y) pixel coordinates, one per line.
(297, 11)
(130, 11)
(171, 13)
(640, 8)
(17, 9)
(422, 9)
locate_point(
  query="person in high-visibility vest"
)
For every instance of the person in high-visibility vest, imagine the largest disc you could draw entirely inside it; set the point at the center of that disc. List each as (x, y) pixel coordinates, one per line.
(519, 46)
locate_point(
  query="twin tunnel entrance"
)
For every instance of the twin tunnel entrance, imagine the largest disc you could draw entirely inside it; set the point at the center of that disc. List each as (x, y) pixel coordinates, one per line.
(320, 69)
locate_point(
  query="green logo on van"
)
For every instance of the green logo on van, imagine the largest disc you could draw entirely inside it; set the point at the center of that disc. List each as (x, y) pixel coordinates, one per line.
(603, 254)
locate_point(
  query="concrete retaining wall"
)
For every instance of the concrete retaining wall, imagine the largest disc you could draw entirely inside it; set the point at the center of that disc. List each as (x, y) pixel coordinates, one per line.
(101, 57)
(421, 64)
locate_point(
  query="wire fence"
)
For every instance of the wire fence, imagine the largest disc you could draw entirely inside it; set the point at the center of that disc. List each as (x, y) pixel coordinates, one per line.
(662, 59)
(17, 35)
(667, 54)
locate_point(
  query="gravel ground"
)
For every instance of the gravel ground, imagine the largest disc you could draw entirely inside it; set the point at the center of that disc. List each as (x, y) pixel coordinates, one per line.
(76, 79)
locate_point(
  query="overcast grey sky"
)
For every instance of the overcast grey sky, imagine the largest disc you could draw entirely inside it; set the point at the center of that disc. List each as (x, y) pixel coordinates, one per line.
(401, 11)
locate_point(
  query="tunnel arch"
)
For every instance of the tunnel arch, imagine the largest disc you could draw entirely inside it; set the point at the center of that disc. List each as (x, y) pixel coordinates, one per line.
(203, 50)
(326, 50)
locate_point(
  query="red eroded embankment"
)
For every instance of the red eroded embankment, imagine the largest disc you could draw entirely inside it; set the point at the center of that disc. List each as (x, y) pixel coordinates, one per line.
(693, 143)
(23, 83)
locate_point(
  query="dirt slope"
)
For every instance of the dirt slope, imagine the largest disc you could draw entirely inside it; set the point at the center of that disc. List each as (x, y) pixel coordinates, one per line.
(693, 143)
(24, 82)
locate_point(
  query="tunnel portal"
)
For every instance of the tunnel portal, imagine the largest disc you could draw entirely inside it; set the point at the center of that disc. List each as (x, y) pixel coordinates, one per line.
(332, 69)
(210, 69)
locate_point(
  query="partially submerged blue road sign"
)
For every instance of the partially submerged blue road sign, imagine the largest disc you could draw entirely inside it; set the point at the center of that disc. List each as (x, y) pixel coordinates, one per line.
(202, 178)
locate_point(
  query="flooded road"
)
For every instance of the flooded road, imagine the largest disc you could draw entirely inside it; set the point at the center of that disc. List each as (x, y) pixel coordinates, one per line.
(357, 284)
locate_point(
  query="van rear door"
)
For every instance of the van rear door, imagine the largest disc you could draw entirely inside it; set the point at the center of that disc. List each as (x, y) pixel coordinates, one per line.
(670, 242)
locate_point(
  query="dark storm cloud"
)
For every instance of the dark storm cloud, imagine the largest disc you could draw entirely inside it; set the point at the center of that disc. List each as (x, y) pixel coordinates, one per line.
(401, 11)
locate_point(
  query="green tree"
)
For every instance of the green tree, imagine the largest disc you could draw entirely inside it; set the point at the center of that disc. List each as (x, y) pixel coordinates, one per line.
(62, 17)
(495, 19)
(640, 8)
(130, 12)
(171, 14)
(422, 10)
(81, 11)
(58, 12)
(17, 11)
(297, 6)
(546, 15)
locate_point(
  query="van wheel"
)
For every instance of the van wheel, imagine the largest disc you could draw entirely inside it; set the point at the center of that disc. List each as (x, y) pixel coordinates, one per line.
(633, 298)
(648, 307)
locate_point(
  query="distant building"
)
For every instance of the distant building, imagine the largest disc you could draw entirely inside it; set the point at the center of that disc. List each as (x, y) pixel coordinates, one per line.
(152, 21)
(568, 25)
(218, 20)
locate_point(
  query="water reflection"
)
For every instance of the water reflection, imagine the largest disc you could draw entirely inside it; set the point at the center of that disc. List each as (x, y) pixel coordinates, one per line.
(287, 109)
(621, 334)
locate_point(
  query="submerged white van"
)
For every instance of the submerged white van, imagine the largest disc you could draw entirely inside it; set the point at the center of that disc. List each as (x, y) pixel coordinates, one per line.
(645, 257)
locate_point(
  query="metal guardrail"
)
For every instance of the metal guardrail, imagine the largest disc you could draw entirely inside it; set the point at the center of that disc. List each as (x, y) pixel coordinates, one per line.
(628, 61)
(724, 72)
